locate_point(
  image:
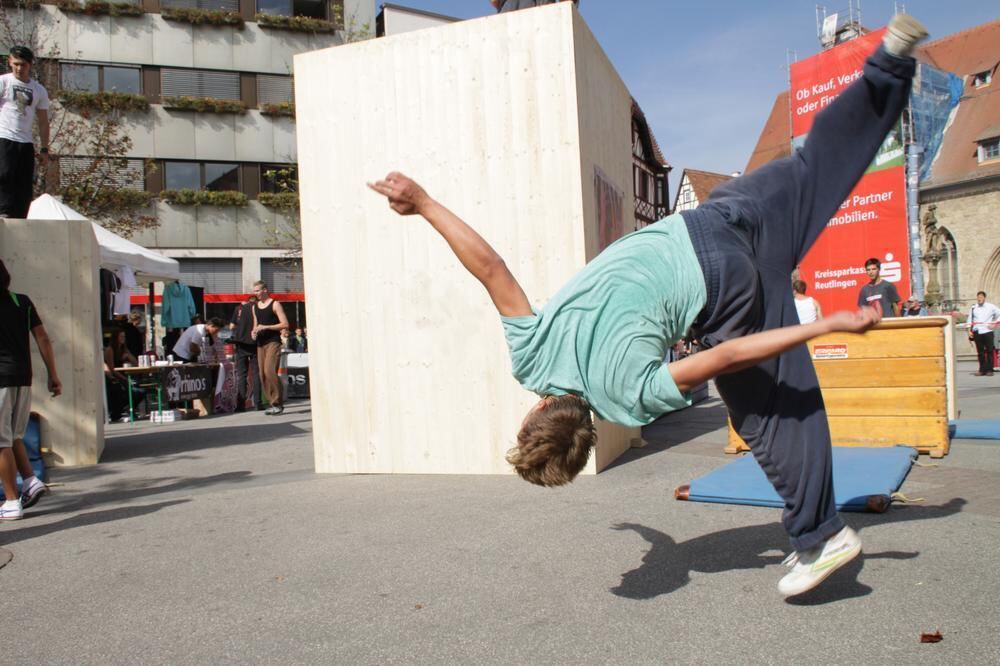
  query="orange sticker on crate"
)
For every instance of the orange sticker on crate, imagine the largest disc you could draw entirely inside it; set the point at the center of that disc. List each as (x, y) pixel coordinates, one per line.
(821, 352)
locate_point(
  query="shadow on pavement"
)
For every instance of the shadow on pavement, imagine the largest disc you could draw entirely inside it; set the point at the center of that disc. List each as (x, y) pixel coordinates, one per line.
(667, 565)
(121, 492)
(173, 441)
(14, 534)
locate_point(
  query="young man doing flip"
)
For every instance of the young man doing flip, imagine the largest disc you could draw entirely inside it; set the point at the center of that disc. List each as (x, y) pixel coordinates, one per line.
(722, 269)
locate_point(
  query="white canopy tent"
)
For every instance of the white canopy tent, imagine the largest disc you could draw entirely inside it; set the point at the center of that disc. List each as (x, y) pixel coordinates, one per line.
(149, 266)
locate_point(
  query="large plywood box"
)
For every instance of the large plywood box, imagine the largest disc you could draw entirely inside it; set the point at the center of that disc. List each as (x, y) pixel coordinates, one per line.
(55, 262)
(519, 124)
(894, 384)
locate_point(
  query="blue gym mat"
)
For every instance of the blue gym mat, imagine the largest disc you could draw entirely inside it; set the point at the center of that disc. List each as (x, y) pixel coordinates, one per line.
(974, 429)
(864, 479)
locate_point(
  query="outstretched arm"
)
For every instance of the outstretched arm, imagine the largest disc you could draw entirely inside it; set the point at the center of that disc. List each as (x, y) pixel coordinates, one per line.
(49, 357)
(741, 353)
(406, 197)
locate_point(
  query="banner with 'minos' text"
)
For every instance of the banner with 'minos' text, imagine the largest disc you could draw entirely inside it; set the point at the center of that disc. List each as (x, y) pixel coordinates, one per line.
(871, 222)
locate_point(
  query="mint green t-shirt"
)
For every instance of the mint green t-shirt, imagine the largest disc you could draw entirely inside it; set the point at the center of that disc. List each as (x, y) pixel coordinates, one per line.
(605, 334)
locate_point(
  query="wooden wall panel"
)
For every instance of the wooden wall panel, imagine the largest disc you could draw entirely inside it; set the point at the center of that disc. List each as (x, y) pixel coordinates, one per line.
(887, 344)
(901, 372)
(907, 401)
(487, 115)
(55, 262)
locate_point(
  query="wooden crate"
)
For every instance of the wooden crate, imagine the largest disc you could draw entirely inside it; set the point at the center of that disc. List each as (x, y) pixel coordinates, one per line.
(892, 385)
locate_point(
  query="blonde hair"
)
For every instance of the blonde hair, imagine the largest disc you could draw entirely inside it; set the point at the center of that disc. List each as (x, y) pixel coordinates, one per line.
(554, 443)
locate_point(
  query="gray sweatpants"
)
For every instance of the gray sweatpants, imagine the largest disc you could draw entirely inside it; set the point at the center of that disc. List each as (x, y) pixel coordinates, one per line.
(15, 407)
(749, 236)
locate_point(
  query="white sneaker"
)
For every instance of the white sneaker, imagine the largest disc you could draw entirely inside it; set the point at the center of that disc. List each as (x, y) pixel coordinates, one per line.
(11, 510)
(32, 492)
(903, 34)
(810, 568)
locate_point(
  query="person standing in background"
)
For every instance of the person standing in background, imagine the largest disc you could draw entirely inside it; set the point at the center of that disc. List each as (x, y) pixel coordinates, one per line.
(299, 342)
(269, 320)
(983, 320)
(879, 293)
(22, 99)
(247, 372)
(807, 306)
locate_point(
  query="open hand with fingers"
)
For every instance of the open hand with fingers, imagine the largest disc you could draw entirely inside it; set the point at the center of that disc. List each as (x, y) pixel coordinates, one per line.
(404, 195)
(857, 321)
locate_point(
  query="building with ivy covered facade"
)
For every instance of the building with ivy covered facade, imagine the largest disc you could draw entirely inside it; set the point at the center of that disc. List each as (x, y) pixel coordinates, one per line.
(217, 76)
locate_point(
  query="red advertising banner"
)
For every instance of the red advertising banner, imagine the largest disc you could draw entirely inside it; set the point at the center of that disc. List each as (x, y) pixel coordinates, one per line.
(872, 220)
(870, 223)
(817, 81)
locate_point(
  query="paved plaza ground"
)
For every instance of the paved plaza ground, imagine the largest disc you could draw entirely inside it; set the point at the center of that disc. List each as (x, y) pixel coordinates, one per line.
(212, 541)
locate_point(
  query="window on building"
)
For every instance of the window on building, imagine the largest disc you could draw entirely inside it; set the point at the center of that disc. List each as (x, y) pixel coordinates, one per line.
(274, 89)
(989, 149)
(660, 196)
(100, 78)
(182, 175)
(215, 176)
(221, 176)
(225, 5)
(216, 276)
(948, 267)
(279, 178)
(129, 174)
(310, 8)
(199, 83)
(982, 78)
(122, 79)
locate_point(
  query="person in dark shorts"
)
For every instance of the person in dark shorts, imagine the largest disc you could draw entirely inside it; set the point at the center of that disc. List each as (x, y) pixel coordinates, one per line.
(247, 373)
(22, 99)
(18, 318)
(269, 321)
(721, 270)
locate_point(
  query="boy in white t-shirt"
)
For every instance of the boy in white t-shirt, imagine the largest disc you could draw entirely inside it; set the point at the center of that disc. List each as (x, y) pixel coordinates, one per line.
(21, 100)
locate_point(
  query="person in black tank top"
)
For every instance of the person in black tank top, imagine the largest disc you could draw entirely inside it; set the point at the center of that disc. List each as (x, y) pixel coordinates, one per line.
(269, 320)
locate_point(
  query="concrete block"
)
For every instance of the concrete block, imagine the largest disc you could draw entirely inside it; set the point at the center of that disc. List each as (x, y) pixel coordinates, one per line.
(88, 38)
(214, 136)
(285, 145)
(252, 50)
(508, 120)
(254, 226)
(178, 226)
(254, 140)
(173, 43)
(130, 42)
(213, 47)
(141, 128)
(284, 49)
(174, 133)
(50, 28)
(216, 226)
(65, 289)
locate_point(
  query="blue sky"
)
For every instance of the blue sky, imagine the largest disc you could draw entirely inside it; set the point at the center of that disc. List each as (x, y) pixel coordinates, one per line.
(706, 73)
